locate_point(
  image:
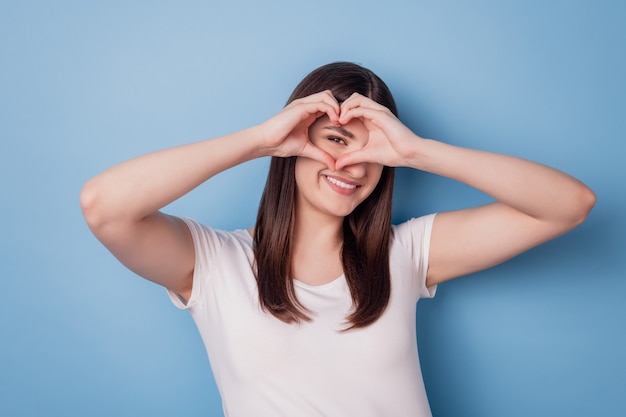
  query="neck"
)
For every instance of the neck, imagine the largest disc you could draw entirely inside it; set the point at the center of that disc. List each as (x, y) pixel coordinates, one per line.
(316, 250)
(318, 231)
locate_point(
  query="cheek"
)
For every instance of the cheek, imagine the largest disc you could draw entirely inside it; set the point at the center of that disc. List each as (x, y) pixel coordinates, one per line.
(375, 171)
(304, 170)
(374, 174)
(298, 169)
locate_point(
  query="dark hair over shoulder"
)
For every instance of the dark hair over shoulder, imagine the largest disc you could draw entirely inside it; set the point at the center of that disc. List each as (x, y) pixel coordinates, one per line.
(365, 251)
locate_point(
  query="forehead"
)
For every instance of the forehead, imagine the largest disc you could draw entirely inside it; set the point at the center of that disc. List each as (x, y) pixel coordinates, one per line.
(354, 128)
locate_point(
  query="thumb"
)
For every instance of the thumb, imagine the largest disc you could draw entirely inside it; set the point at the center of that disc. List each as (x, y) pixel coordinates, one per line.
(352, 158)
(313, 152)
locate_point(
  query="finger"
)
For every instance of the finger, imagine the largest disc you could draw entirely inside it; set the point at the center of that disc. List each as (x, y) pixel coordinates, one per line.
(376, 116)
(331, 108)
(354, 158)
(358, 100)
(354, 100)
(313, 152)
(324, 97)
(318, 109)
(329, 98)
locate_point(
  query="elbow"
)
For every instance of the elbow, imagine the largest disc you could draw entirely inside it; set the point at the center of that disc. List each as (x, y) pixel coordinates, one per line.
(585, 201)
(91, 206)
(572, 211)
(103, 211)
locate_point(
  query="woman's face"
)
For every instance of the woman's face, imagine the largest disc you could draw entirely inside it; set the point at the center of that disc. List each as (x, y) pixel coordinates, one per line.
(335, 193)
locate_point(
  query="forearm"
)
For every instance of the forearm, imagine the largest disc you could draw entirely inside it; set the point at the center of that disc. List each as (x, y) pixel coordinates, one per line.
(135, 188)
(534, 189)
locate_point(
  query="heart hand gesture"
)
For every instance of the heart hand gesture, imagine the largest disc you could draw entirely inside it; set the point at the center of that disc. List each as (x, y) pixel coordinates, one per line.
(287, 133)
(390, 142)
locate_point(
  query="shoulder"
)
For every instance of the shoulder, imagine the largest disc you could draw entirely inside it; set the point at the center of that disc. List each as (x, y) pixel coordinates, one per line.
(409, 255)
(415, 231)
(221, 258)
(209, 240)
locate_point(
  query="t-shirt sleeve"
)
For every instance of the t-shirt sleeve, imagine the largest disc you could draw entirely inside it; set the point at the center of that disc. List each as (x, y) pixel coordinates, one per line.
(415, 235)
(206, 242)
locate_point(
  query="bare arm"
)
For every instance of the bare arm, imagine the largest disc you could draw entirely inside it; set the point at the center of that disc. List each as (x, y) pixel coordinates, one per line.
(534, 203)
(121, 205)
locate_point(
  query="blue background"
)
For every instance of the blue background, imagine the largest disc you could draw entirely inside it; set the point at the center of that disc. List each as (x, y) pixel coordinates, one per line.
(85, 85)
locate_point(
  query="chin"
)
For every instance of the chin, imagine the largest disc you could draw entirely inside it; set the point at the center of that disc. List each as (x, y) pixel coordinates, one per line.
(342, 211)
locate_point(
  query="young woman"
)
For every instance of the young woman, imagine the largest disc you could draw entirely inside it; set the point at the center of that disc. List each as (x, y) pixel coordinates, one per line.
(312, 311)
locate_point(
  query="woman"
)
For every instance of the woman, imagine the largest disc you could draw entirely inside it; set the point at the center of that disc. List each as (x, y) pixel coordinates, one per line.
(312, 311)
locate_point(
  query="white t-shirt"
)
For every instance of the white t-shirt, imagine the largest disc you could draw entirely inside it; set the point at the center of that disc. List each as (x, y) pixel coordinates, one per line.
(264, 367)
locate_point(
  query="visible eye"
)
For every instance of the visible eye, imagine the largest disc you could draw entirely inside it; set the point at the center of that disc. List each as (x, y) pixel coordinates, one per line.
(337, 140)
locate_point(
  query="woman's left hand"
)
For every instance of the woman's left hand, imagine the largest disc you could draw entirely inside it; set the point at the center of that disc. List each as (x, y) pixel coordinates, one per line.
(390, 142)
(534, 203)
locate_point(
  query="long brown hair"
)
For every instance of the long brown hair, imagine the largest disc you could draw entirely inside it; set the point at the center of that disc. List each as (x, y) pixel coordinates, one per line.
(366, 231)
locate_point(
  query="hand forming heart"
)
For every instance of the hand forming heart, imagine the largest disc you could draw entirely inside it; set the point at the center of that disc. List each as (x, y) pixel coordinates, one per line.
(390, 142)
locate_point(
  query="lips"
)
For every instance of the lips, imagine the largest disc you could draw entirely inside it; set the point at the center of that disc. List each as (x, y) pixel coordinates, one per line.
(342, 186)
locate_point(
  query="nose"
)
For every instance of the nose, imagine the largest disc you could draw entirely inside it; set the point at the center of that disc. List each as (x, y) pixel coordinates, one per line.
(356, 170)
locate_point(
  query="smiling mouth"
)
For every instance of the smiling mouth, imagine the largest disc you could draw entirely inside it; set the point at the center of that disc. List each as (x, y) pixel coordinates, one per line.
(340, 183)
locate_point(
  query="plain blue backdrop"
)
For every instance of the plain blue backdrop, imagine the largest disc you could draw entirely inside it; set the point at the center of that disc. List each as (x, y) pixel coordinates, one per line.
(85, 85)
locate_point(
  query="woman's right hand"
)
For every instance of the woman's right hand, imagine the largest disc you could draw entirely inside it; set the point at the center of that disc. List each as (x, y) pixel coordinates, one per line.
(121, 205)
(287, 133)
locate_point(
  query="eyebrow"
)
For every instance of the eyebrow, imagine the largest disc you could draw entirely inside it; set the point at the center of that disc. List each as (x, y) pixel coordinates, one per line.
(341, 130)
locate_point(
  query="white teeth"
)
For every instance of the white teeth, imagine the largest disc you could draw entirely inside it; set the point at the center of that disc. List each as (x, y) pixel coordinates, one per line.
(341, 183)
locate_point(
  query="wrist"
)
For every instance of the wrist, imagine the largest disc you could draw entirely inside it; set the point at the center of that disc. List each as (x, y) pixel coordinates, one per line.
(417, 154)
(256, 141)
(429, 155)
(264, 140)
